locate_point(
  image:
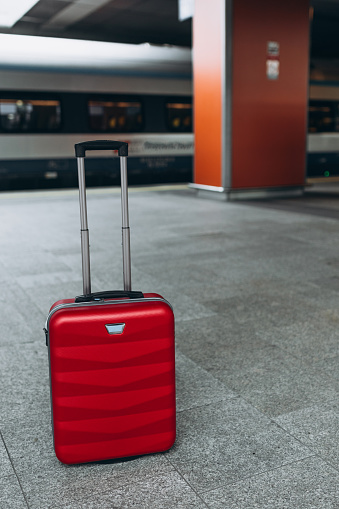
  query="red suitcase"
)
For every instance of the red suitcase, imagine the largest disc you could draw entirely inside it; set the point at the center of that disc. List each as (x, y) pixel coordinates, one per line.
(111, 357)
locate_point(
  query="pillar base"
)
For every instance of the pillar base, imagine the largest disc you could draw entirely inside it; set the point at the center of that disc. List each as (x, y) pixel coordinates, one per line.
(210, 192)
(224, 194)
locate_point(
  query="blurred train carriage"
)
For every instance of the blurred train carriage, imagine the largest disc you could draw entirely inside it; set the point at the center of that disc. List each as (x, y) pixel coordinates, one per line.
(323, 131)
(323, 121)
(145, 100)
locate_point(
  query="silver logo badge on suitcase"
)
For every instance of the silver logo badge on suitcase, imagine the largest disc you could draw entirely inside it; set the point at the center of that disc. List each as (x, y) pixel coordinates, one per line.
(115, 328)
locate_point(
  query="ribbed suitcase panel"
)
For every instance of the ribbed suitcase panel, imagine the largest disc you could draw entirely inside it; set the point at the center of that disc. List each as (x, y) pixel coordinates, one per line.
(121, 447)
(112, 395)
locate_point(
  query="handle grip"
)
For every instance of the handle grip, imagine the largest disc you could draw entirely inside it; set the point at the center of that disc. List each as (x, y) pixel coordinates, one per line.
(121, 146)
(114, 294)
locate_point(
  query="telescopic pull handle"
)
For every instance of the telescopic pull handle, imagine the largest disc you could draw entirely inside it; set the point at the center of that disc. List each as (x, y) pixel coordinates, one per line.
(80, 151)
(81, 148)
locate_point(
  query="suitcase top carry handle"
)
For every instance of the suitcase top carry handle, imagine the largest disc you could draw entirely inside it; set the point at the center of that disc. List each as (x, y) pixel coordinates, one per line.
(80, 150)
(114, 294)
(121, 146)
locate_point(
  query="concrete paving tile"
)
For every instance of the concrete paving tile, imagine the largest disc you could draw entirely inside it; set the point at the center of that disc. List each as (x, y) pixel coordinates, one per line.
(73, 262)
(33, 303)
(24, 382)
(318, 232)
(195, 386)
(221, 288)
(278, 383)
(163, 492)
(195, 246)
(26, 423)
(307, 484)
(37, 280)
(14, 327)
(329, 285)
(287, 288)
(275, 287)
(178, 273)
(216, 288)
(213, 341)
(329, 366)
(70, 247)
(260, 308)
(272, 380)
(11, 496)
(37, 262)
(33, 440)
(204, 338)
(141, 281)
(292, 268)
(186, 308)
(276, 244)
(317, 427)
(313, 340)
(331, 315)
(228, 441)
(48, 483)
(5, 276)
(21, 319)
(240, 266)
(6, 468)
(37, 221)
(45, 295)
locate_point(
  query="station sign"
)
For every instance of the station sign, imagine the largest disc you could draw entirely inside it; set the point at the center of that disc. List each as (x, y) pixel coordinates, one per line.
(272, 60)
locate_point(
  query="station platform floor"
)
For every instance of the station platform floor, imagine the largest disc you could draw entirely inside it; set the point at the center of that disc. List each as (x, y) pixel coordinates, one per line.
(255, 291)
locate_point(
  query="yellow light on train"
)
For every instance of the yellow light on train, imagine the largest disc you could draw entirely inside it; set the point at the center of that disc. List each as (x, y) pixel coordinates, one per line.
(11, 12)
(112, 122)
(325, 109)
(179, 106)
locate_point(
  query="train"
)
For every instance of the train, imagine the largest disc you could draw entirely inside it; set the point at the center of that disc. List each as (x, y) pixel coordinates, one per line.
(40, 127)
(93, 90)
(323, 130)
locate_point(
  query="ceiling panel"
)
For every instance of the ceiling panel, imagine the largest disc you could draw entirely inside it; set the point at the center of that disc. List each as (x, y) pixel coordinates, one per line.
(134, 21)
(153, 21)
(45, 9)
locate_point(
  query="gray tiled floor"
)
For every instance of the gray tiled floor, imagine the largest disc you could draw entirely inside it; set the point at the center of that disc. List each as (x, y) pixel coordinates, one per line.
(307, 484)
(255, 289)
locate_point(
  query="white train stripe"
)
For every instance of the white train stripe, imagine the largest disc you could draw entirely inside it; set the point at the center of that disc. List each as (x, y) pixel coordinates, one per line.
(323, 142)
(55, 146)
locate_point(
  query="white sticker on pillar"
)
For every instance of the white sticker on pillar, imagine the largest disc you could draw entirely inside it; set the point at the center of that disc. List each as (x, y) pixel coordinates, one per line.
(272, 60)
(273, 49)
(272, 69)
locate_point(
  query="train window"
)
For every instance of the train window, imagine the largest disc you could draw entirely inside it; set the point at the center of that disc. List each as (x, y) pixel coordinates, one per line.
(119, 116)
(323, 117)
(179, 117)
(31, 115)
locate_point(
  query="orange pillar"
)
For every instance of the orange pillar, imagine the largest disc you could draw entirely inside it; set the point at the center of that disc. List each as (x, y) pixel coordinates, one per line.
(250, 66)
(208, 90)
